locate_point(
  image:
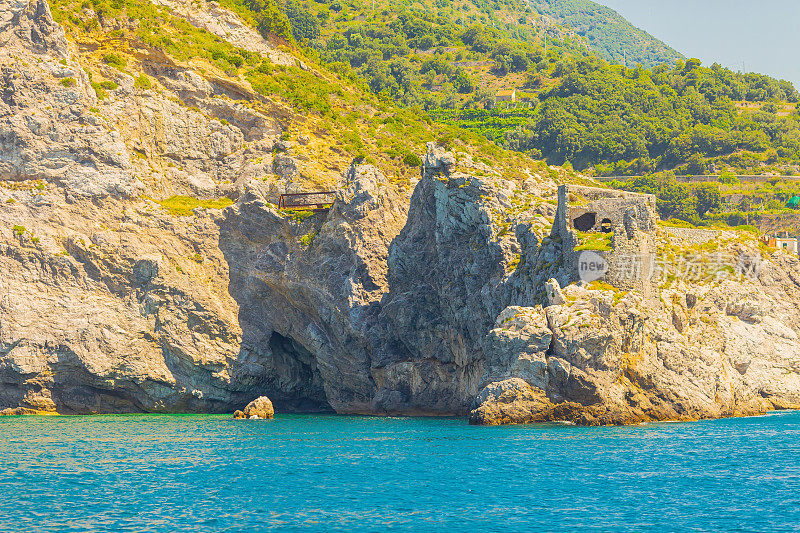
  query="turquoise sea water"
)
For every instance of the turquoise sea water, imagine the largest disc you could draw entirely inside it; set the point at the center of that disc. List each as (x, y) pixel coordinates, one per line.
(323, 473)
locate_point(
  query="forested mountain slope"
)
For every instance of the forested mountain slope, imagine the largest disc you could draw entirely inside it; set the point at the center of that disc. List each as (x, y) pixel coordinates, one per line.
(452, 58)
(607, 32)
(688, 117)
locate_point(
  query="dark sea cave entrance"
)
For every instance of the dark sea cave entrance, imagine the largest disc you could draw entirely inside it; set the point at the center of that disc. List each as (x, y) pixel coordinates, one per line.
(297, 385)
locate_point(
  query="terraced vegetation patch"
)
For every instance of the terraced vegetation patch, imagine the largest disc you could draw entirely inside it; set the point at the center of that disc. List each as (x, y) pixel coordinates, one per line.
(594, 241)
(183, 206)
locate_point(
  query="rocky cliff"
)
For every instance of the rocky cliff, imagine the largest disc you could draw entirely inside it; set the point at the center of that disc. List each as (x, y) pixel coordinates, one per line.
(444, 301)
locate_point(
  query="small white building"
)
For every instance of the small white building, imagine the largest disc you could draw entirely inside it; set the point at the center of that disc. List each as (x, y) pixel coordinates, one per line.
(787, 244)
(506, 96)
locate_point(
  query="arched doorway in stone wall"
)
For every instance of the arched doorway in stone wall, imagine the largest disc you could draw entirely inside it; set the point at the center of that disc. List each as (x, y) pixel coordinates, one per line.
(585, 222)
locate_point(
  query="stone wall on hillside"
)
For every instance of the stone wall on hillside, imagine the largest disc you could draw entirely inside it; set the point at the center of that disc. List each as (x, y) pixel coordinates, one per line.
(629, 218)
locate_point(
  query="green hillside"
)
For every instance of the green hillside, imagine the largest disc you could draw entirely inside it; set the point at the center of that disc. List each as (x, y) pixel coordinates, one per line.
(344, 118)
(444, 62)
(688, 118)
(606, 31)
(451, 58)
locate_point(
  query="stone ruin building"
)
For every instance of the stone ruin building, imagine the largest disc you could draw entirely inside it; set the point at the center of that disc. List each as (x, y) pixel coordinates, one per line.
(629, 218)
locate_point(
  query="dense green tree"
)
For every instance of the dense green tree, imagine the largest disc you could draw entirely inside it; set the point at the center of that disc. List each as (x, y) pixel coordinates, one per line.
(728, 178)
(463, 82)
(305, 26)
(268, 17)
(673, 199)
(653, 118)
(708, 198)
(479, 38)
(696, 165)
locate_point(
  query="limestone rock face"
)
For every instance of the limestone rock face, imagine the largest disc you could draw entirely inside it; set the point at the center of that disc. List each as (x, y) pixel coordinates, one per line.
(47, 131)
(512, 401)
(261, 407)
(554, 294)
(223, 23)
(518, 346)
(631, 360)
(457, 300)
(108, 303)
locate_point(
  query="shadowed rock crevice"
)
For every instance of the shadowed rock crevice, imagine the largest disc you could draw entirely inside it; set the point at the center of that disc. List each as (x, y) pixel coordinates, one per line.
(298, 366)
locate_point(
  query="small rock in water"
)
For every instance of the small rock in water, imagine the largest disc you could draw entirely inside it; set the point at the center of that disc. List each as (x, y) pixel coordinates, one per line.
(261, 407)
(238, 414)
(255, 417)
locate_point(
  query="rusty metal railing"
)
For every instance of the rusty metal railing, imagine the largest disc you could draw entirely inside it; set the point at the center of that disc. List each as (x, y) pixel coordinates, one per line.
(311, 201)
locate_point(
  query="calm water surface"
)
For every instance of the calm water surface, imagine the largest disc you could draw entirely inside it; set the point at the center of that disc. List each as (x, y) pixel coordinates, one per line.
(322, 473)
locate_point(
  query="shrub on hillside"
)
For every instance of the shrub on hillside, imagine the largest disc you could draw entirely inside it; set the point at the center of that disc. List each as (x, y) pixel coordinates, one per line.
(412, 160)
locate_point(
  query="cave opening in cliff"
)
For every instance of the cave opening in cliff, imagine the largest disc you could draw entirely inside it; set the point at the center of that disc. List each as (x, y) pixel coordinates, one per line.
(585, 222)
(298, 386)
